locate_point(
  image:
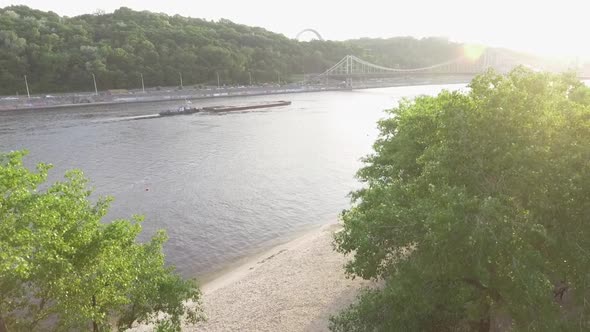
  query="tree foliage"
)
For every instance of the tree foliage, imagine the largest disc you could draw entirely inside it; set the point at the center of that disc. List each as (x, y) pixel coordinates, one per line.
(60, 53)
(63, 269)
(475, 210)
(408, 52)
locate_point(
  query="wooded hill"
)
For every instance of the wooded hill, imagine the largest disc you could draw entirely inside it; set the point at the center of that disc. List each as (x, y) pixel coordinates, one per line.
(59, 54)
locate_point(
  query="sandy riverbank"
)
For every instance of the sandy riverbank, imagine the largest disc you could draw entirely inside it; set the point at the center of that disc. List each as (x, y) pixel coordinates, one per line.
(293, 287)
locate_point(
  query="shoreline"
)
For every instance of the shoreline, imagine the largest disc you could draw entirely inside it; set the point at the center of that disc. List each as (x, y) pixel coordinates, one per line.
(141, 98)
(240, 268)
(264, 250)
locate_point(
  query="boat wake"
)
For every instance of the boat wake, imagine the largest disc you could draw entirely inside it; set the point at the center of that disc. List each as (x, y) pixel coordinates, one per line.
(125, 118)
(140, 117)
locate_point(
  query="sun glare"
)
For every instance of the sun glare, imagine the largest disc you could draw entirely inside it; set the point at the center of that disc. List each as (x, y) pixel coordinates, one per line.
(473, 52)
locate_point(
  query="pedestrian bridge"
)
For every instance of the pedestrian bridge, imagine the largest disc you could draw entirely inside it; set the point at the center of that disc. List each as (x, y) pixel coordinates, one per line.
(354, 68)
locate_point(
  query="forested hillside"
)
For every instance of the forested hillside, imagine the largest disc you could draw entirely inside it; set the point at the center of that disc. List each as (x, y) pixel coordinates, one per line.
(60, 54)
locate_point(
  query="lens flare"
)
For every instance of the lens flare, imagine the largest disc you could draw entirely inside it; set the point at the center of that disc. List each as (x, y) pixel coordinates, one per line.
(473, 52)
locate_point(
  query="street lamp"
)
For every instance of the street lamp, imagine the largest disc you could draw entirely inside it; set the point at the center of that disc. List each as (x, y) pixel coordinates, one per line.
(27, 85)
(95, 88)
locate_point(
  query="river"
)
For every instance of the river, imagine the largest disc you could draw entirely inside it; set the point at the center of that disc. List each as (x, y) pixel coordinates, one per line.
(224, 186)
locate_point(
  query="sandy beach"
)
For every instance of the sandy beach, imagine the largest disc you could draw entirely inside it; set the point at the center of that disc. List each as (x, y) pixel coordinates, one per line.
(293, 287)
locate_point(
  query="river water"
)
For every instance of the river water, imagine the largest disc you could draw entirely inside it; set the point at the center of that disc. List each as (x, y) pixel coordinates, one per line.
(224, 186)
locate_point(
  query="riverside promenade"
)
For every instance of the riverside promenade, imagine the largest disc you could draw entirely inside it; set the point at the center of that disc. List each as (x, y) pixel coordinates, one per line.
(122, 96)
(119, 96)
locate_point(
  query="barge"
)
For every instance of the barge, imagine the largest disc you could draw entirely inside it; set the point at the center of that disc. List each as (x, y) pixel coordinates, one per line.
(245, 107)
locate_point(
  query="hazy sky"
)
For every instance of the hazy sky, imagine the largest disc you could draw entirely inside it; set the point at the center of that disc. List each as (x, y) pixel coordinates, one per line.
(546, 27)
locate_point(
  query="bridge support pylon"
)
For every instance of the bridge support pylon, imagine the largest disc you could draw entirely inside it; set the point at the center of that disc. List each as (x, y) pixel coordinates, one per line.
(349, 82)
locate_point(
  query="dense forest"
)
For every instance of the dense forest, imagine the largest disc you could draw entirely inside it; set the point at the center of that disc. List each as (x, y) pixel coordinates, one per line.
(60, 54)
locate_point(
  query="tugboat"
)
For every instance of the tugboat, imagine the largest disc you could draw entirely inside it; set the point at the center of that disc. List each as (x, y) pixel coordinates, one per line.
(187, 109)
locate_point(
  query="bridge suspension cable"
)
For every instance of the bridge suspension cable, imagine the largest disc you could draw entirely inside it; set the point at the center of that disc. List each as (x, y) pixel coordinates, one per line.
(354, 58)
(351, 64)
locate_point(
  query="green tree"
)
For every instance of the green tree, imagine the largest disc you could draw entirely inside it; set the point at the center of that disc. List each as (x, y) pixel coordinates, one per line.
(475, 210)
(61, 268)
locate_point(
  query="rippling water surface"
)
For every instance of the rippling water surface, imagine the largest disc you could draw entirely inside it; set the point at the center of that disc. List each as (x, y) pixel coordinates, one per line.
(226, 185)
